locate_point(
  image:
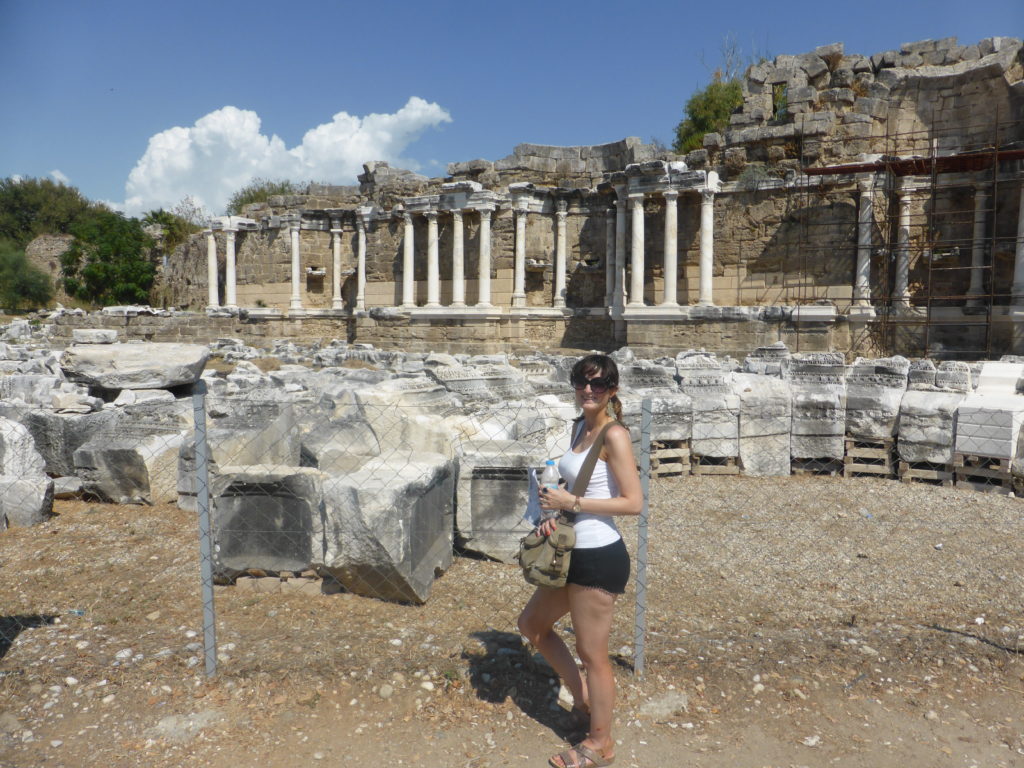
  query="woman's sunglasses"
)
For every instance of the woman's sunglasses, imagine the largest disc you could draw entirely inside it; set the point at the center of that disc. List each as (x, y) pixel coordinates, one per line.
(598, 385)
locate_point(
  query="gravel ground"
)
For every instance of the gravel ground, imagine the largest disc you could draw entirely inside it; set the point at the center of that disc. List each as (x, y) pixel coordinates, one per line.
(791, 622)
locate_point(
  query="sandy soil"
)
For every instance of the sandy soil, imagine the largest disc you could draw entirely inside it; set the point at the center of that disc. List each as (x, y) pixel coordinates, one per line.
(791, 622)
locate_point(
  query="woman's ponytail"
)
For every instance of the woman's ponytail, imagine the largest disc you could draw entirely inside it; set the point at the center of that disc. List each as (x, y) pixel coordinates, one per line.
(616, 405)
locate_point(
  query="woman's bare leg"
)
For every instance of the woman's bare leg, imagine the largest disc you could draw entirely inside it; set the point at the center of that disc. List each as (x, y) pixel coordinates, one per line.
(591, 611)
(537, 622)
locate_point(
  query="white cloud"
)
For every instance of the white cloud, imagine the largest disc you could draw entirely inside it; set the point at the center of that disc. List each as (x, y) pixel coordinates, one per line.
(225, 150)
(59, 177)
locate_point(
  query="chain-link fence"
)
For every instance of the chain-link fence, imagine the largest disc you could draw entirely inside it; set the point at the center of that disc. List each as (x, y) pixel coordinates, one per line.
(804, 511)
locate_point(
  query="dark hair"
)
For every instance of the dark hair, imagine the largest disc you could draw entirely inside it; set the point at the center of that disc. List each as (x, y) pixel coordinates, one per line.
(599, 365)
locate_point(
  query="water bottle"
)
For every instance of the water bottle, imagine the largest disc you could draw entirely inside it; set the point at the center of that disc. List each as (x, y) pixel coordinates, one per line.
(549, 477)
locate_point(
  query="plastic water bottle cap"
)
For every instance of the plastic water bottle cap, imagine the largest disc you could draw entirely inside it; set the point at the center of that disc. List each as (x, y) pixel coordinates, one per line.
(550, 462)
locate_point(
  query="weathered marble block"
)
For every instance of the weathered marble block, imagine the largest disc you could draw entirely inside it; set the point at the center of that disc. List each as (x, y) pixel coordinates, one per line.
(31, 388)
(135, 366)
(58, 435)
(715, 426)
(388, 528)
(772, 360)
(267, 517)
(874, 389)
(18, 454)
(926, 425)
(491, 496)
(818, 381)
(25, 500)
(93, 335)
(765, 418)
(135, 459)
(671, 415)
(989, 419)
(481, 384)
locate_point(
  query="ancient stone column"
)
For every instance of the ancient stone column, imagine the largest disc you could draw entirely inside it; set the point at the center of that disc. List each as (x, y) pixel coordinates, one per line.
(519, 279)
(485, 258)
(636, 283)
(213, 295)
(671, 248)
(865, 221)
(361, 223)
(458, 261)
(336, 232)
(560, 255)
(609, 256)
(433, 264)
(705, 296)
(230, 300)
(408, 262)
(977, 284)
(1018, 261)
(619, 283)
(296, 301)
(901, 286)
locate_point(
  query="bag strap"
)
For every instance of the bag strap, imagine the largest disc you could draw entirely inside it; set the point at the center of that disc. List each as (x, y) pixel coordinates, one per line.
(579, 488)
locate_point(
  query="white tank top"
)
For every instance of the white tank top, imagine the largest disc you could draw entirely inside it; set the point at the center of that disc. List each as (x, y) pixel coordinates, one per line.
(591, 530)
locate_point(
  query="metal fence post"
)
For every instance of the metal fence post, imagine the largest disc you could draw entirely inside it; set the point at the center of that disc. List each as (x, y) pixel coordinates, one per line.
(640, 619)
(202, 486)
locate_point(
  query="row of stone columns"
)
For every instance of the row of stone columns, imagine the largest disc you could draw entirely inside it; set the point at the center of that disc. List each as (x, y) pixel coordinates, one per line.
(670, 296)
(901, 282)
(458, 260)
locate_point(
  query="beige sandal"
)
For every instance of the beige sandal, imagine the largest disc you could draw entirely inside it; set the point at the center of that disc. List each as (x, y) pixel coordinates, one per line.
(580, 757)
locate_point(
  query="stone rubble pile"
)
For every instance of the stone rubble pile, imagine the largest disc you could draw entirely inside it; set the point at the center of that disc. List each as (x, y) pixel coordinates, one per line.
(373, 467)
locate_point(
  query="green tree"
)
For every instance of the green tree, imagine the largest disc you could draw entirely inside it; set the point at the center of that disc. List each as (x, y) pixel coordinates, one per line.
(21, 283)
(259, 191)
(708, 111)
(176, 229)
(108, 261)
(31, 207)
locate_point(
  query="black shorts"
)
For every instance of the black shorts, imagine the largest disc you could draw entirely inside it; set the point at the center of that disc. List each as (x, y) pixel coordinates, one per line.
(606, 568)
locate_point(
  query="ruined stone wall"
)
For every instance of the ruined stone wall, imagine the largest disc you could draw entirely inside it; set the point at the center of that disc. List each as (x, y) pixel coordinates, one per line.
(781, 236)
(829, 107)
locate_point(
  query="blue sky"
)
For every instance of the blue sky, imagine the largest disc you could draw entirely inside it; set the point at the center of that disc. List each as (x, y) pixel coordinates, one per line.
(146, 102)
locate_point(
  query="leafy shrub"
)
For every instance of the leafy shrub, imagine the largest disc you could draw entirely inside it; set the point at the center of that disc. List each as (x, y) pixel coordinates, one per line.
(31, 207)
(176, 228)
(22, 285)
(708, 111)
(107, 263)
(259, 191)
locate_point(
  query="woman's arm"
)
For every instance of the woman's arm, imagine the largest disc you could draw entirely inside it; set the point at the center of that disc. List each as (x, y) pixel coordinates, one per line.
(618, 449)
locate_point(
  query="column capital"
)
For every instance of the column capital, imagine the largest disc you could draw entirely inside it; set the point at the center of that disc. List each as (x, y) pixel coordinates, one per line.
(360, 224)
(431, 215)
(707, 195)
(671, 193)
(456, 214)
(337, 231)
(208, 232)
(482, 209)
(865, 182)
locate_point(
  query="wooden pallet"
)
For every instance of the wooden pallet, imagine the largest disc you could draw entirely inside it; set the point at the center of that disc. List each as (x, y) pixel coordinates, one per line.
(926, 472)
(670, 457)
(816, 466)
(983, 473)
(869, 457)
(713, 465)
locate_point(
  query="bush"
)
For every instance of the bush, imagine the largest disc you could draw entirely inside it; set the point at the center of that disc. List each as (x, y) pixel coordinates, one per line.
(176, 228)
(708, 111)
(107, 263)
(32, 207)
(22, 285)
(259, 191)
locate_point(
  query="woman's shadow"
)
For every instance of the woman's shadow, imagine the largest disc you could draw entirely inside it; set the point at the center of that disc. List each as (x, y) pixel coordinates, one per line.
(505, 668)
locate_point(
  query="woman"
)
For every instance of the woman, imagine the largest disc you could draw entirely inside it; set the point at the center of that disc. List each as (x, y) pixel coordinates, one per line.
(599, 567)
